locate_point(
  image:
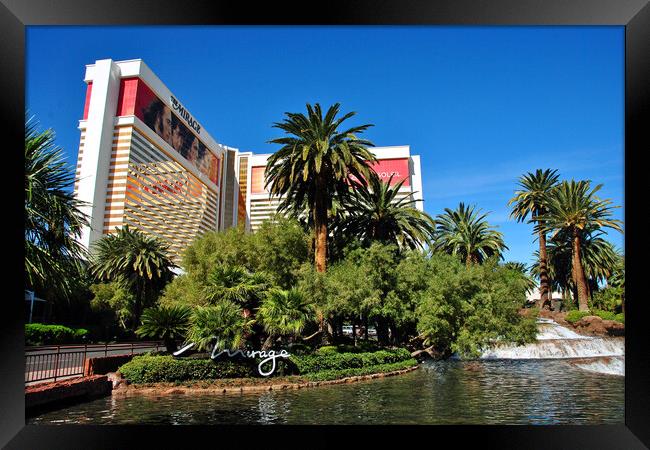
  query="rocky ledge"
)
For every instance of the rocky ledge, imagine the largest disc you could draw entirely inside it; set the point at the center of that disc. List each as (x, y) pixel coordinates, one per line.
(588, 325)
(239, 386)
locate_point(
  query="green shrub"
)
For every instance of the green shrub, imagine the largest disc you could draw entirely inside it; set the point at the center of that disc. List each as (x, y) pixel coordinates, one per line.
(41, 334)
(574, 315)
(154, 369)
(605, 315)
(340, 361)
(327, 349)
(380, 368)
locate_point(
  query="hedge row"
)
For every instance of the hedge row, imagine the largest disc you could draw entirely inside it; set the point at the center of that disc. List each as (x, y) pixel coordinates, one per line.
(339, 361)
(154, 369)
(41, 334)
(381, 368)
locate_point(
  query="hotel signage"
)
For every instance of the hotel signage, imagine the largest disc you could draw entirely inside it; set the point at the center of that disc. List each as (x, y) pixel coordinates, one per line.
(268, 356)
(187, 117)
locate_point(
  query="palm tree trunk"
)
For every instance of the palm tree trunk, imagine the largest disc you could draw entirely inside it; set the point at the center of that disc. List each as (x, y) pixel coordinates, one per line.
(544, 283)
(579, 274)
(320, 228)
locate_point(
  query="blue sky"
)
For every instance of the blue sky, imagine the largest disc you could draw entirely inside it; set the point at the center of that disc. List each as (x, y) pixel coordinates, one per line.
(481, 105)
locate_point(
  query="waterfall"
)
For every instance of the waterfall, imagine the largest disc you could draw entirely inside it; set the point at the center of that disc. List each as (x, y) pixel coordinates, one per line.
(596, 354)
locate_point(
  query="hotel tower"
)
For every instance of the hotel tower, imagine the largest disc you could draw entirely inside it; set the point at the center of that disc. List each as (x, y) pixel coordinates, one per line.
(147, 162)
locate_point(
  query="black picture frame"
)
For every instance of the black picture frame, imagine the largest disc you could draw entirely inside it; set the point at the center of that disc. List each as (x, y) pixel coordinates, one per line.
(634, 15)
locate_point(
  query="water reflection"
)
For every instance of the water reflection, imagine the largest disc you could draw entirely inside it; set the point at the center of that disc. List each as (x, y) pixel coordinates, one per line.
(449, 392)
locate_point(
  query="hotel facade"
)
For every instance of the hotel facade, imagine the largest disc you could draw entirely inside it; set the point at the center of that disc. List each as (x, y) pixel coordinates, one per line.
(145, 161)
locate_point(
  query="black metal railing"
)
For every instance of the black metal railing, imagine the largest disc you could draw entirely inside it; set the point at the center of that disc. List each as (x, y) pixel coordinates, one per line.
(68, 361)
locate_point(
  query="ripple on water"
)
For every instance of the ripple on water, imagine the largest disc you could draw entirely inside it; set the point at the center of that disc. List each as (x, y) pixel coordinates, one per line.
(444, 392)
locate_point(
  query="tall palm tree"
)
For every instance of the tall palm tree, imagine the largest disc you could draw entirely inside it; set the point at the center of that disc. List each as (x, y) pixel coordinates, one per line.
(374, 213)
(532, 199)
(574, 207)
(137, 261)
(466, 233)
(314, 164)
(54, 257)
(284, 313)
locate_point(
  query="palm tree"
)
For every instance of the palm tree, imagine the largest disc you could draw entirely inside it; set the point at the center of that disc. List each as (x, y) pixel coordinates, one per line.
(54, 257)
(314, 164)
(573, 208)
(284, 313)
(223, 322)
(532, 199)
(169, 323)
(236, 284)
(139, 262)
(521, 269)
(599, 258)
(466, 233)
(374, 213)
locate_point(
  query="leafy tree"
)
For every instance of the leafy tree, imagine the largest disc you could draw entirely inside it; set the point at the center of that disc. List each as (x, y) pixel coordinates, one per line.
(169, 323)
(375, 213)
(140, 263)
(469, 308)
(230, 246)
(115, 302)
(284, 313)
(532, 200)
(573, 208)
(465, 233)
(224, 323)
(54, 257)
(279, 247)
(314, 164)
(521, 269)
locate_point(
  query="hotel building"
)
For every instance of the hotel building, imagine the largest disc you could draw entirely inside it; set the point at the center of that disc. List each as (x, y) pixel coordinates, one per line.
(145, 161)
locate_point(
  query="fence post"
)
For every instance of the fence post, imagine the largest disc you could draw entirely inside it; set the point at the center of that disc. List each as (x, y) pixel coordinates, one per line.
(56, 361)
(105, 350)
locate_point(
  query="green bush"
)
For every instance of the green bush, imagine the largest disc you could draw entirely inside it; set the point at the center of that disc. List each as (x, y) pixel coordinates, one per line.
(605, 315)
(340, 361)
(154, 369)
(574, 315)
(327, 349)
(41, 334)
(380, 368)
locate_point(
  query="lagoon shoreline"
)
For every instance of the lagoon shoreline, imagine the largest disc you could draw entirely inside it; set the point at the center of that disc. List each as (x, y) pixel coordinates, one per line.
(240, 386)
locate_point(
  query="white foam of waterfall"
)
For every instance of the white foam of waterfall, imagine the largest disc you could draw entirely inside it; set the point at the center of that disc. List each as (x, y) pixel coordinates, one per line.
(557, 342)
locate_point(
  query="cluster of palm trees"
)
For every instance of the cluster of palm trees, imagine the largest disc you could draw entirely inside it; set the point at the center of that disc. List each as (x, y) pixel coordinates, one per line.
(241, 307)
(576, 257)
(325, 176)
